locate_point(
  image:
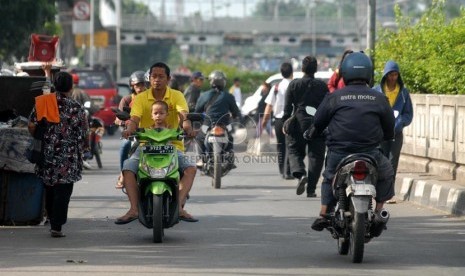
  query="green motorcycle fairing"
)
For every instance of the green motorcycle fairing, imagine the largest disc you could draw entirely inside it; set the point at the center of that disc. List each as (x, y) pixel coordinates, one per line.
(166, 163)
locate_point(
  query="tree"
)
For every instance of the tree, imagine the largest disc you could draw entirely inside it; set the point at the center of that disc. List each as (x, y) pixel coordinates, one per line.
(430, 53)
(21, 18)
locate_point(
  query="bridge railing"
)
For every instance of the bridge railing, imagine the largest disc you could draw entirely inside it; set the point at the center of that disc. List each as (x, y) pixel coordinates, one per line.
(435, 141)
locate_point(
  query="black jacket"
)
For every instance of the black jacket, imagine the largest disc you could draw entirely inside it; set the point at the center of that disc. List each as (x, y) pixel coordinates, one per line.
(219, 109)
(358, 118)
(192, 94)
(301, 93)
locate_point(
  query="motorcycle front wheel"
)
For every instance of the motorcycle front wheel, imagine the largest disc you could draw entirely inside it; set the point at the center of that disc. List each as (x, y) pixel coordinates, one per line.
(217, 166)
(157, 218)
(343, 244)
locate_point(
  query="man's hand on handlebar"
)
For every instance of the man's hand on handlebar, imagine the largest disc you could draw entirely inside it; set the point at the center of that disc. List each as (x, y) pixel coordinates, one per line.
(129, 129)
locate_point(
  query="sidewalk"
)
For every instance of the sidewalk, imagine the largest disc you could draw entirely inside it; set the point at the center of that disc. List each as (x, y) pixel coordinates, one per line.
(431, 191)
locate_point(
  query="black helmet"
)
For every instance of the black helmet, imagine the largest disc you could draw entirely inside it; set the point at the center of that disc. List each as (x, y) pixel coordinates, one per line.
(217, 79)
(357, 66)
(136, 77)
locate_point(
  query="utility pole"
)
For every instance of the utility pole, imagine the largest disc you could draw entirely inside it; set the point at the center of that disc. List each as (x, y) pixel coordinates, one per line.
(118, 39)
(91, 35)
(371, 31)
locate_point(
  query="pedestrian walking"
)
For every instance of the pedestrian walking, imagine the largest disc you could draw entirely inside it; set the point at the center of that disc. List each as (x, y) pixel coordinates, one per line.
(275, 104)
(336, 81)
(235, 90)
(192, 92)
(399, 98)
(64, 141)
(303, 96)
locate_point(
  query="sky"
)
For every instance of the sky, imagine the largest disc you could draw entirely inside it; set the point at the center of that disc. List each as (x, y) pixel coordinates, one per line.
(232, 8)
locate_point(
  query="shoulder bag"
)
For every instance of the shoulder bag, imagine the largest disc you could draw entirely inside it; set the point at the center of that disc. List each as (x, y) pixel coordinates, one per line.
(35, 151)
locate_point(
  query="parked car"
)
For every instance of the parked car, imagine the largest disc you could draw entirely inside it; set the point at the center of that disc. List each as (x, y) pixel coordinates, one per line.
(249, 108)
(99, 84)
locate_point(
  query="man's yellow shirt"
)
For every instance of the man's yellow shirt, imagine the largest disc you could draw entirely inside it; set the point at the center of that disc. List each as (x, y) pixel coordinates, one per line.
(142, 108)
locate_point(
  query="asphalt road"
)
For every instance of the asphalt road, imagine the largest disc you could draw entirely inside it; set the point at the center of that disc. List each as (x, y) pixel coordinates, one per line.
(254, 225)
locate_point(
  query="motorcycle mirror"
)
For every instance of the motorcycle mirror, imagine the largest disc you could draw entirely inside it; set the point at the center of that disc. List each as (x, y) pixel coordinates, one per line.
(310, 110)
(87, 104)
(123, 116)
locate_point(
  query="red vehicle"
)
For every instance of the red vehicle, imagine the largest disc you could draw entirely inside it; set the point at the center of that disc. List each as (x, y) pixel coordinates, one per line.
(99, 84)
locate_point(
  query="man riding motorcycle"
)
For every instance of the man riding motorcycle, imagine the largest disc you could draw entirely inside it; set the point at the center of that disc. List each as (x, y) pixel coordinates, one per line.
(218, 107)
(357, 119)
(137, 84)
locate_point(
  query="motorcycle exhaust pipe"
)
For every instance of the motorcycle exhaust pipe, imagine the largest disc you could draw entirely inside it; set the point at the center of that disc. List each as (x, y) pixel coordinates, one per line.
(382, 216)
(379, 222)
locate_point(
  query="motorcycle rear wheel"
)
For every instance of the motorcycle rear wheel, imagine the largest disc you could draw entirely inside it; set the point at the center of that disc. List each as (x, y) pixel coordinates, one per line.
(358, 237)
(95, 151)
(217, 166)
(157, 218)
(97, 157)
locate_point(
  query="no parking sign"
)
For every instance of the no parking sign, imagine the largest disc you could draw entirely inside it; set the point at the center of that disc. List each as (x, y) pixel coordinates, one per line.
(81, 10)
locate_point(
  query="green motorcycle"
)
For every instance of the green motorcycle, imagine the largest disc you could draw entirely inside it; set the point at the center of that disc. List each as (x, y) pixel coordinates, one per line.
(158, 179)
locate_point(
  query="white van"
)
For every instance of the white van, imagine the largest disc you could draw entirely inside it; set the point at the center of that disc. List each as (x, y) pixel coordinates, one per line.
(250, 105)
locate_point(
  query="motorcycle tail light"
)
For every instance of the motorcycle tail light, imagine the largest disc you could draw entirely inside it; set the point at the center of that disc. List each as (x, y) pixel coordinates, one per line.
(217, 131)
(360, 170)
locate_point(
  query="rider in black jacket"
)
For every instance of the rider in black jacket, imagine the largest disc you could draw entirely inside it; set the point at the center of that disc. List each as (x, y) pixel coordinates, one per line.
(357, 119)
(218, 107)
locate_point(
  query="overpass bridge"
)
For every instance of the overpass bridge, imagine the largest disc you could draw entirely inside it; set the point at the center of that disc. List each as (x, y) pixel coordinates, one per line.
(323, 35)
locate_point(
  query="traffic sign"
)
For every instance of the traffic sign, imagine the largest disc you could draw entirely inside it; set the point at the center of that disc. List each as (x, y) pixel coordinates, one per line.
(81, 10)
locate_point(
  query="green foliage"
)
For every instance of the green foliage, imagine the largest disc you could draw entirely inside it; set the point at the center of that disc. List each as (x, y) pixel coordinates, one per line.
(249, 80)
(132, 7)
(430, 53)
(21, 18)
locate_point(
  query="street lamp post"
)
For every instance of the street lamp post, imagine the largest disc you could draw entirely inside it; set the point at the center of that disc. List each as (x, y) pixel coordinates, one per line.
(371, 28)
(118, 39)
(91, 35)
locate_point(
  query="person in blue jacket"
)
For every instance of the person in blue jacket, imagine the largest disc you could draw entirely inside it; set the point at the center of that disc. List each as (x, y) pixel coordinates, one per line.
(399, 98)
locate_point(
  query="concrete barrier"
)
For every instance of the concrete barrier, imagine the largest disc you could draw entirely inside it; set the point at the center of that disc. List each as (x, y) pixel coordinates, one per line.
(432, 164)
(435, 141)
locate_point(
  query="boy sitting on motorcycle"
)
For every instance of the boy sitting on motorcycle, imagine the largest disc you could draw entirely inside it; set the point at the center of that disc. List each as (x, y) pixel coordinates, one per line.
(159, 114)
(141, 116)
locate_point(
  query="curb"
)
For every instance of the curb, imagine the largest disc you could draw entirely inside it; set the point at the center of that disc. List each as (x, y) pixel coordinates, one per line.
(444, 195)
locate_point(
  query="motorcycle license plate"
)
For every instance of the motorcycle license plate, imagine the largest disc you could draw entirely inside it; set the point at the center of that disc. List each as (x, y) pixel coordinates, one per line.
(361, 189)
(213, 139)
(158, 149)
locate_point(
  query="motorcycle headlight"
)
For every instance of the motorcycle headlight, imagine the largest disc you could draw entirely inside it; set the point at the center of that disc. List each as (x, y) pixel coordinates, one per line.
(157, 173)
(153, 172)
